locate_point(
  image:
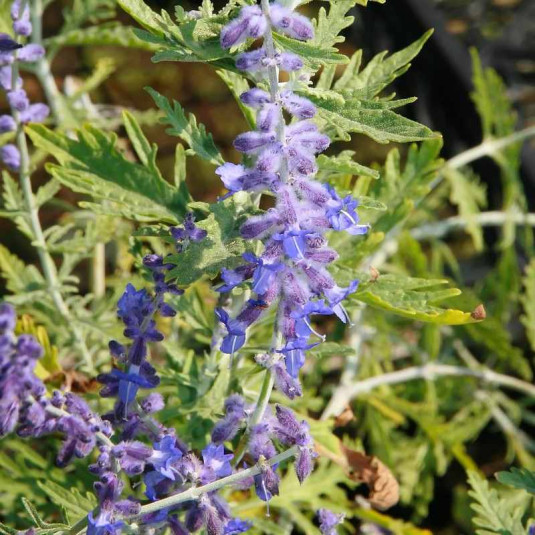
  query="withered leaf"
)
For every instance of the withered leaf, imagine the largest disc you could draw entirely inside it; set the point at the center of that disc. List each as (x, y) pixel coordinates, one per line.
(384, 488)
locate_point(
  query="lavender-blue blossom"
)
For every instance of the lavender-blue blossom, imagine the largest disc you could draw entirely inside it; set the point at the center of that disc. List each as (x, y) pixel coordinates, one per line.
(290, 272)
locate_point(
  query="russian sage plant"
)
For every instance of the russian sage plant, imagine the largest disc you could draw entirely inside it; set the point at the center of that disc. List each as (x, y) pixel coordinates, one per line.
(218, 408)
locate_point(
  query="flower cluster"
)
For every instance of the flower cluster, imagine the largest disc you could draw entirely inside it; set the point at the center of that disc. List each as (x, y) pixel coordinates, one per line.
(11, 53)
(291, 272)
(25, 406)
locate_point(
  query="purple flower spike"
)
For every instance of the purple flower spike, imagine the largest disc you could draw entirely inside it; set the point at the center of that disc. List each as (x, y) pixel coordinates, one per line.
(18, 100)
(7, 124)
(290, 23)
(342, 213)
(102, 524)
(10, 155)
(264, 273)
(250, 23)
(30, 53)
(299, 107)
(36, 113)
(252, 142)
(294, 243)
(165, 454)
(236, 526)
(290, 62)
(288, 385)
(255, 98)
(8, 319)
(303, 328)
(329, 521)
(251, 61)
(336, 295)
(294, 354)
(236, 332)
(216, 460)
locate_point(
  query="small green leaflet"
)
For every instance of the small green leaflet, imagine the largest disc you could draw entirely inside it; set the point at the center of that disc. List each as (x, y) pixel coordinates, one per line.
(222, 248)
(381, 71)
(492, 514)
(412, 298)
(346, 114)
(186, 128)
(72, 501)
(344, 164)
(519, 478)
(312, 56)
(112, 33)
(93, 165)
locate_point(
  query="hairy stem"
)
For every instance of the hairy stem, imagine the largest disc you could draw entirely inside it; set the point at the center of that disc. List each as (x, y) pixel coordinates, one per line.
(196, 492)
(47, 263)
(261, 404)
(433, 371)
(273, 76)
(42, 66)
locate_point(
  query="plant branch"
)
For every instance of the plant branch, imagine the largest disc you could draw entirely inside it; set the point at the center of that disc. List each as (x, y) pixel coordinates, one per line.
(196, 492)
(42, 66)
(39, 241)
(486, 148)
(431, 372)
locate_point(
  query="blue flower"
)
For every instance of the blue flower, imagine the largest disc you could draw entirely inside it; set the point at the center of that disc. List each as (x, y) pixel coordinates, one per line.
(216, 461)
(329, 521)
(235, 337)
(102, 525)
(294, 354)
(165, 454)
(342, 213)
(335, 297)
(236, 526)
(303, 328)
(264, 273)
(294, 243)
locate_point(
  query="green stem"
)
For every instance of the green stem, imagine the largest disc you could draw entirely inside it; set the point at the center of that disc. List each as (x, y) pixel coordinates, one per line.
(431, 372)
(263, 400)
(42, 66)
(196, 492)
(47, 263)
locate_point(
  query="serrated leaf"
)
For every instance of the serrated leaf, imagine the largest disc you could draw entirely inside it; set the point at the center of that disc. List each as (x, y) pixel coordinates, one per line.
(519, 478)
(92, 165)
(328, 349)
(186, 128)
(491, 514)
(372, 118)
(238, 85)
(223, 246)
(313, 56)
(75, 503)
(381, 71)
(111, 33)
(412, 298)
(46, 192)
(328, 26)
(344, 164)
(20, 278)
(143, 15)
